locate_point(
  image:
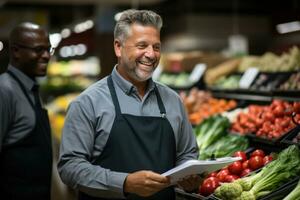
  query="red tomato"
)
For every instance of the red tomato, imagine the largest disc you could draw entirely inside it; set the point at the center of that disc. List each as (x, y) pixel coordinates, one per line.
(208, 186)
(222, 174)
(240, 154)
(258, 152)
(230, 178)
(213, 174)
(267, 159)
(245, 172)
(256, 162)
(245, 164)
(235, 168)
(278, 111)
(296, 106)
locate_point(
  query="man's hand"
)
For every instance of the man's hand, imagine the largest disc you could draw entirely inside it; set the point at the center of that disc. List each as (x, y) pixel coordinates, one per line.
(191, 183)
(145, 183)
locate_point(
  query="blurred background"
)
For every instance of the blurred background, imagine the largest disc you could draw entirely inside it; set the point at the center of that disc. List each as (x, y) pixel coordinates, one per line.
(194, 31)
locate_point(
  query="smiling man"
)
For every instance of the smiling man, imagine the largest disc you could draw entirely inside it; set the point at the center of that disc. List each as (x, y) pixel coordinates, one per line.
(124, 131)
(25, 141)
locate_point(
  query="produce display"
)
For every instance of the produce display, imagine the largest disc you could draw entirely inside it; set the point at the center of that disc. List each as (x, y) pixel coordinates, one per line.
(268, 81)
(201, 105)
(221, 70)
(268, 179)
(214, 140)
(180, 80)
(293, 83)
(268, 118)
(269, 62)
(229, 82)
(236, 170)
(270, 121)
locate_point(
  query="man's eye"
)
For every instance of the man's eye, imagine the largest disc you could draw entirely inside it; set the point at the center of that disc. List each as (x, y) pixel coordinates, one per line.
(39, 49)
(157, 48)
(141, 46)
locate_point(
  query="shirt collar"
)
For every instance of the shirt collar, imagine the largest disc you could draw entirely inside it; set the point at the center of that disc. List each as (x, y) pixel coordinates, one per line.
(25, 80)
(126, 86)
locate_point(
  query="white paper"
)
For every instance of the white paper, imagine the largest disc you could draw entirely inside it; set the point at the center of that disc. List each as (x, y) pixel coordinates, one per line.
(191, 167)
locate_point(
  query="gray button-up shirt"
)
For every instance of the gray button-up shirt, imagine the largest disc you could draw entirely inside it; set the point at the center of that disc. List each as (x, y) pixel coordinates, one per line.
(88, 124)
(17, 118)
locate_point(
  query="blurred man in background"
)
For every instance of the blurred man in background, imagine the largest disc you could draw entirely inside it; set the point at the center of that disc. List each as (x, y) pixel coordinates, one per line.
(25, 141)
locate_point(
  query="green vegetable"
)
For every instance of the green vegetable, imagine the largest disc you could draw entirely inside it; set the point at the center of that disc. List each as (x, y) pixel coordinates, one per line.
(231, 190)
(295, 194)
(225, 146)
(277, 172)
(248, 181)
(281, 170)
(247, 195)
(216, 130)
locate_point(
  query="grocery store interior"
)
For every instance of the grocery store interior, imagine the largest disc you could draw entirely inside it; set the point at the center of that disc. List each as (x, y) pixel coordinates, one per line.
(234, 63)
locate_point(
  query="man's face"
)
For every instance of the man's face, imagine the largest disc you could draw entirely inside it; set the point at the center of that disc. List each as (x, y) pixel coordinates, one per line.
(139, 54)
(33, 53)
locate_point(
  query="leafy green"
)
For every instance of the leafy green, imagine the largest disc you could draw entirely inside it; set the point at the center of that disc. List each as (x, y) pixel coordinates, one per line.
(225, 146)
(212, 130)
(277, 172)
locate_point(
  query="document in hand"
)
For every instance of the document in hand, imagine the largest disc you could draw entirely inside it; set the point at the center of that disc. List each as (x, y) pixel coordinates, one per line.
(191, 167)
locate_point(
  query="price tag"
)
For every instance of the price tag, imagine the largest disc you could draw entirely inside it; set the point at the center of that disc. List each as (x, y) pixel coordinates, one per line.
(197, 72)
(248, 77)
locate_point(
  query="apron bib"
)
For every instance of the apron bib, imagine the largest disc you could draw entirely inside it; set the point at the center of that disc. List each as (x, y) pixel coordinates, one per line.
(139, 143)
(26, 166)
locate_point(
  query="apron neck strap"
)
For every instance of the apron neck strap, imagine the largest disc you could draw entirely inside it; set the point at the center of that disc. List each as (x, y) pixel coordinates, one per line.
(160, 102)
(116, 102)
(113, 95)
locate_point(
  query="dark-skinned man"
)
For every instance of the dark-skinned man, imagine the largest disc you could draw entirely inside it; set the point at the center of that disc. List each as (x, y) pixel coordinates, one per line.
(25, 141)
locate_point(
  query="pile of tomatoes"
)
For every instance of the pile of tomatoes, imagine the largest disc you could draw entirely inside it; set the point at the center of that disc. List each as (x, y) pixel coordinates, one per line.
(270, 121)
(237, 169)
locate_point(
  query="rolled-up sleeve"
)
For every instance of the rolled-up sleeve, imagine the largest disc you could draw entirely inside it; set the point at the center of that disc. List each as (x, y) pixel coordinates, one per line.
(75, 166)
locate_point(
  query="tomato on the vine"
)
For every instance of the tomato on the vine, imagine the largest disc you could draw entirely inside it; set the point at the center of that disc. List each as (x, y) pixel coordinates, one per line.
(258, 152)
(240, 154)
(256, 162)
(222, 174)
(230, 178)
(208, 186)
(235, 168)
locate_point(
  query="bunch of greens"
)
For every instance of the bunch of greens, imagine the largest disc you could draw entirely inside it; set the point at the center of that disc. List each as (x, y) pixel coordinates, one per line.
(279, 171)
(225, 146)
(213, 138)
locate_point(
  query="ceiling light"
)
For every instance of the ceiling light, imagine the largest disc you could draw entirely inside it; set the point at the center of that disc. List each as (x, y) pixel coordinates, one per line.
(65, 33)
(1, 45)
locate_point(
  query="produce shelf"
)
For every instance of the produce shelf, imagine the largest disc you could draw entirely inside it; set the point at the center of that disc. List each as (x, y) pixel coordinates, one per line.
(182, 195)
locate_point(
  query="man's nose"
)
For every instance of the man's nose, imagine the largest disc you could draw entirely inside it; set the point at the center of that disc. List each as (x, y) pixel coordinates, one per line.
(150, 52)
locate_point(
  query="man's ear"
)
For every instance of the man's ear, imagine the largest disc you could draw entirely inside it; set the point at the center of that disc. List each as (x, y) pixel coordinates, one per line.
(117, 47)
(14, 51)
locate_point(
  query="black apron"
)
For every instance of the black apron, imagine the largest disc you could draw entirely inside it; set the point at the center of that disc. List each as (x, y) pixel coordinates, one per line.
(26, 166)
(138, 143)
